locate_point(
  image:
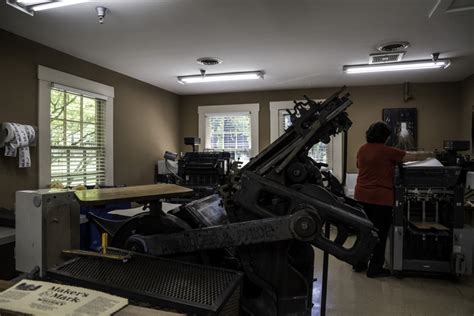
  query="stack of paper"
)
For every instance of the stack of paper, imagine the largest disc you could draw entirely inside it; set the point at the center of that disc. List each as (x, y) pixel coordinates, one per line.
(430, 162)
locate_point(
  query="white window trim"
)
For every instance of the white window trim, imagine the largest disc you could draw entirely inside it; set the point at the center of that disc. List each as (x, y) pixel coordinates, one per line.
(252, 108)
(275, 108)
(336, 147)
(48, 76)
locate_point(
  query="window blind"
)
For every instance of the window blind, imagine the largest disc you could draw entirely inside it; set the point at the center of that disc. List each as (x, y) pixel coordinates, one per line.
(77, 124)
(229, 132)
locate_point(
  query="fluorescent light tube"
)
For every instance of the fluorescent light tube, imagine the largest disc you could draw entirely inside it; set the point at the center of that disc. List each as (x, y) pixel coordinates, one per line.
(221, 77)
(19, 6)
(56, 4)
(398, 66)
(30, 2)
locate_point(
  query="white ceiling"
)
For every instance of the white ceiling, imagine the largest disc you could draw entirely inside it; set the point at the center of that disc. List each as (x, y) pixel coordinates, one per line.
(298, 43)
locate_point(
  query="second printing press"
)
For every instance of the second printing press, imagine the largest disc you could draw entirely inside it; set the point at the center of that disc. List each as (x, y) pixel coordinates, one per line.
(202, 171)
(429, 232)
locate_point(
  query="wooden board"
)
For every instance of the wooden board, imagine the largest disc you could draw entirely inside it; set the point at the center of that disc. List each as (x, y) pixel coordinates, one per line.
(133, 194)
(429, 225)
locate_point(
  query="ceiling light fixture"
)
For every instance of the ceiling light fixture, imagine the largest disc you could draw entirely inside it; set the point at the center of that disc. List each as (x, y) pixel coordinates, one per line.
(398, 66)
(56, 4)
(203, 77)
(31, 6)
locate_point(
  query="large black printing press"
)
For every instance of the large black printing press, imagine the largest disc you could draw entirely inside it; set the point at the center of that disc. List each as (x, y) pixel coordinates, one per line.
(247, 251)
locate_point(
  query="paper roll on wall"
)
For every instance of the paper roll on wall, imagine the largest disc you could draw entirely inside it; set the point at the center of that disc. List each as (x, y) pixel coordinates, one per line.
(17, 138)
(6, 134)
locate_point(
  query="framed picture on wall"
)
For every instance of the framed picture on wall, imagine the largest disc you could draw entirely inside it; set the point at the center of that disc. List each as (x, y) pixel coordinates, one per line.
(403, 123)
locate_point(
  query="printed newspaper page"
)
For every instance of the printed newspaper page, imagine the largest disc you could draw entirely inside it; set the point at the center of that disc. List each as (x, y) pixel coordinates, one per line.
(45, 298)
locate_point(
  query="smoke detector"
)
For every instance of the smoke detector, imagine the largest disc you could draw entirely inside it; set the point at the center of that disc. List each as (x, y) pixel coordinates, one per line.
(382, 58)
(101, 12)
(209, 61)
(393, 47)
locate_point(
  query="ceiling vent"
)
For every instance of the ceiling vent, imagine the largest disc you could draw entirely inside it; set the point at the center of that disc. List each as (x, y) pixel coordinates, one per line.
(393, 47)
(382, 58)
(209, 61)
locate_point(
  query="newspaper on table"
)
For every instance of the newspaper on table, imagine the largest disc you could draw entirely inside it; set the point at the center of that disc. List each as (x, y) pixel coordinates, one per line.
(45, 298)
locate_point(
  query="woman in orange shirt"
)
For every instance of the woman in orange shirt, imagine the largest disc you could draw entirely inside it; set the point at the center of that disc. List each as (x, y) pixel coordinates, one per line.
(375, 188)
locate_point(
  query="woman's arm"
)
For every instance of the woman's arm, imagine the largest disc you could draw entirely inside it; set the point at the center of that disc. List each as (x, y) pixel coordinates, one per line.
(417, 155)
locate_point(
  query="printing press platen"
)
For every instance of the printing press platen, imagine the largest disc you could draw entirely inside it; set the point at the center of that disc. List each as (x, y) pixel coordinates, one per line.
(164, 283)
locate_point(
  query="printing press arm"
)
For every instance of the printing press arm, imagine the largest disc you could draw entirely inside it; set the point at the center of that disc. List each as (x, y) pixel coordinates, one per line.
(282, 179)
(304, 225)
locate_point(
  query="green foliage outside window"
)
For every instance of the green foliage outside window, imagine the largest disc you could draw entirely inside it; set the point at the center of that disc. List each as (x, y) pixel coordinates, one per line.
(77, 125)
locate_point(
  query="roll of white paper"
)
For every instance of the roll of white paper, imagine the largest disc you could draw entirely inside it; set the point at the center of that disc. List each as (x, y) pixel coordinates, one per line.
(31, 134)
(18, 137)
(6, 134)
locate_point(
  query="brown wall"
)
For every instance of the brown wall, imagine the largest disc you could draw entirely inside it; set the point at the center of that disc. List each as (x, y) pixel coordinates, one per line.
(467, 93)
(438, 104)
(145, 117)
(154, 116)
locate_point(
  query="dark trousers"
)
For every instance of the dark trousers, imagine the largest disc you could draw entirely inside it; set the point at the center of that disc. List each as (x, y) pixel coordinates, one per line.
(381, 216)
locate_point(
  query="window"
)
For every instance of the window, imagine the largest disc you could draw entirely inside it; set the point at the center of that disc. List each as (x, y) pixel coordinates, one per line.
(229, 132)
(75, 123)
(232, 128)
(320, 152)
(77, 127)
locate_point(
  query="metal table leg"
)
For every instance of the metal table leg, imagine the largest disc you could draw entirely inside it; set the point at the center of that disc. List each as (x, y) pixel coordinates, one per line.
(423, 211)
(324, 282)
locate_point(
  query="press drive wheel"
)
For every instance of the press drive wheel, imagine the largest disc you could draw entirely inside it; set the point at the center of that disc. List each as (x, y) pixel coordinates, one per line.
(135, 244)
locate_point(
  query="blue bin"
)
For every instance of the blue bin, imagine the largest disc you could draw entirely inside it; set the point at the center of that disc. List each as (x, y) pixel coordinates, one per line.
(90, 236)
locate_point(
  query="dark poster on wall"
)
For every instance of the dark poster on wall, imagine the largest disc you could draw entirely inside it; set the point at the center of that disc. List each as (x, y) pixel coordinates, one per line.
(403, 123)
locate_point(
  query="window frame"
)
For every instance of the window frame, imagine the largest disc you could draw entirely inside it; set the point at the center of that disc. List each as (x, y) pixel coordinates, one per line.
(47, 77)
(252, 108)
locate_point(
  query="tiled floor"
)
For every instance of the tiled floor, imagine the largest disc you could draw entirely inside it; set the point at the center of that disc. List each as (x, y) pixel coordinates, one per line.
(351, 293)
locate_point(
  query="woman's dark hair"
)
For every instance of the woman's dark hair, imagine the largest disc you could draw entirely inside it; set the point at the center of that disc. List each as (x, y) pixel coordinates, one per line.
(378, 132)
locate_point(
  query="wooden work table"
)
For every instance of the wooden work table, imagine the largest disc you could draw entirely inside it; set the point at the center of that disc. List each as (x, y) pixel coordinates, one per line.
(140, 193)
